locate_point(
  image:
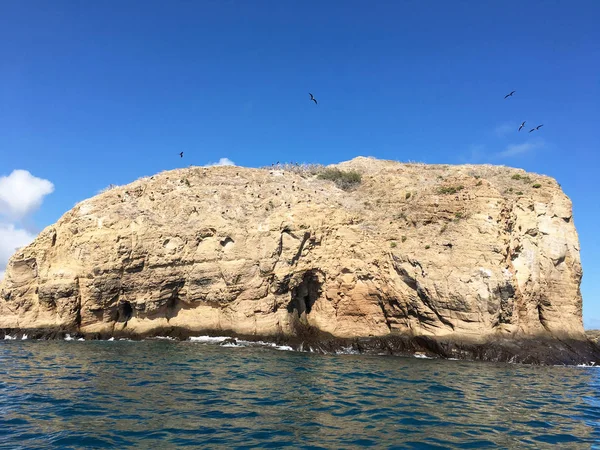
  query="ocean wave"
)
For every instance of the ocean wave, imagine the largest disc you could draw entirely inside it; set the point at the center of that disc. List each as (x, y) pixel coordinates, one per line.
(226, 341)
(347, 351)
(259, 398)
(209, 339)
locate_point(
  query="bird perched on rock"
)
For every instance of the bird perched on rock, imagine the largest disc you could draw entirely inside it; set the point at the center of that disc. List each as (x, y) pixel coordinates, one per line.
(522, 125)
(313, 98)
(509, 95)
(181, 154)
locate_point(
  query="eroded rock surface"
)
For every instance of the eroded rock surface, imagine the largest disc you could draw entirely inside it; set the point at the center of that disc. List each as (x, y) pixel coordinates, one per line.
(415, 249)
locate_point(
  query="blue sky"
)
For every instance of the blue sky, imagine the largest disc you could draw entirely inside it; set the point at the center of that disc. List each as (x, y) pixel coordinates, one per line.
(94, 93)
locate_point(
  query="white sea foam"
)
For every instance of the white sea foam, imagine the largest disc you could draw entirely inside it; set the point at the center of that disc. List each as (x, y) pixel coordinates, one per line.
(347, 351)
(238, 342)
(24, 337)
(111, 339)
(68, 337)
(8, 337)
(285, 348)
(164, 338)
(422, 356)
(208, 339)
(81, 339)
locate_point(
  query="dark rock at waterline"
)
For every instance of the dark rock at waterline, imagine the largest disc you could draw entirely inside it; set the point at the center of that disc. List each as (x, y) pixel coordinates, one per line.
(541, 350)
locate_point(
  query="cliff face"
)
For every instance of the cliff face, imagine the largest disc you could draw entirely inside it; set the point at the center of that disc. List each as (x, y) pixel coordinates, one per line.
(414, 249)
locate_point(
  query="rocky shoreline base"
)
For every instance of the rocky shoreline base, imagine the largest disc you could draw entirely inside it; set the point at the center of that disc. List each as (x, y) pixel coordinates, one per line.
(538, 350)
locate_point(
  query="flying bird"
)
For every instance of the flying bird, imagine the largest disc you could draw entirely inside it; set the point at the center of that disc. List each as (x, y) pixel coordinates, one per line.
(181, 154)
(522, 125)
(509, 95)
(539, 126)
(533, 129)
(313, 98)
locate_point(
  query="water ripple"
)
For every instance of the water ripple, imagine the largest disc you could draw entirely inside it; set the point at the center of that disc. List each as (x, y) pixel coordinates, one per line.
(161, 394)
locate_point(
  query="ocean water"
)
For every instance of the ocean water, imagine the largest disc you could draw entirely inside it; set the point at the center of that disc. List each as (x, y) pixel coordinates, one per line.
(166, 394)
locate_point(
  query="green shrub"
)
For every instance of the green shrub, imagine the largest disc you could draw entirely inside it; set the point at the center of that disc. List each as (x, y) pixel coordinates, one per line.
(479, 183)
(523, 178)
(519, 193)
(343, 180)
(450, 189)
(537, 185)
(393, 245)
(407, 196)
(444, 228)
(401, 215)
(403, 238)
(427, 247)
(458, 215)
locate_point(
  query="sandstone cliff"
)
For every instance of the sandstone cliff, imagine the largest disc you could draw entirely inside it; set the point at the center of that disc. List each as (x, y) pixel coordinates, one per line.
(433, 250)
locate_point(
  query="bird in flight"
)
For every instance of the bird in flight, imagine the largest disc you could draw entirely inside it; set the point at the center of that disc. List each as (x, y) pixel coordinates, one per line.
(181, 154)
(533, 129)
(509, 95)
(539, 126)
(312, 98)
(522, 125)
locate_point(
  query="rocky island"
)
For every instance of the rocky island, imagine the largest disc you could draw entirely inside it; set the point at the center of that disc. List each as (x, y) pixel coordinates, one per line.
(470, 261)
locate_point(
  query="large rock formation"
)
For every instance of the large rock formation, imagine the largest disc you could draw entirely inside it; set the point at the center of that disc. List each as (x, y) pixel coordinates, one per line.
(457, 252)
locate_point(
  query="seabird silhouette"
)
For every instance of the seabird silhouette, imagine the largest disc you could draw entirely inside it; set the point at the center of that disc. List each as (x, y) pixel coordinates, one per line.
(533, 129)
(539, 126)
(181, 154)
(312, 98)
(509, 95)
(522, 125)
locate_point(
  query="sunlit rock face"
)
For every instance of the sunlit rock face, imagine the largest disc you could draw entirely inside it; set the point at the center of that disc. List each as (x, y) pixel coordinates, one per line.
(413, 249)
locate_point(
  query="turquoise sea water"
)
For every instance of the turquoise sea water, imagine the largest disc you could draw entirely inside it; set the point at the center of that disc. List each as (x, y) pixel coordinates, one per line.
(164, 394)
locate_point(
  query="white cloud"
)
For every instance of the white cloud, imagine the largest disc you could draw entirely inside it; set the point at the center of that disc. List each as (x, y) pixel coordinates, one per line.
(475, 154)
(222, 162)
(505, 129)
(21, 193)
(11, 238)
(518, 149)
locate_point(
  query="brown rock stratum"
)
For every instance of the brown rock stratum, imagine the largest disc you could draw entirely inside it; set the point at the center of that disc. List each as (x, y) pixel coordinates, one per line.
(274, 253)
